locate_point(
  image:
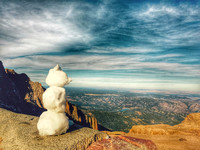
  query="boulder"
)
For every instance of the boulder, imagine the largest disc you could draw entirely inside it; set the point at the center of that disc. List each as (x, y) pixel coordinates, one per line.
(120, 142)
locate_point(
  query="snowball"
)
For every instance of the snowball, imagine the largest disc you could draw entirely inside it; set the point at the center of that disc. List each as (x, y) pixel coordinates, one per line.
(52, 123)
(57, 77)
(54, 99)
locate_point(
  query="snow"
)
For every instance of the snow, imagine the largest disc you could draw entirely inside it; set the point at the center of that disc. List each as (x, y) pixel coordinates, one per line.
(54, 99)
(57, 77)
(54, 121)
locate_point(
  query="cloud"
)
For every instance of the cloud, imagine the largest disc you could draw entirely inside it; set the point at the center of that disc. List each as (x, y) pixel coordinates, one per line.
(102, 38)
(132, 84)
(161, 10)
(105, 27)
(104, 62)
(167, 26)
(124, 50)
(156, 11)
(28, 32)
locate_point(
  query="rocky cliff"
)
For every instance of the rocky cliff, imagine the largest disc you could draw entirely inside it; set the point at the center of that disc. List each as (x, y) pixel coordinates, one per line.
(30, 91)
(182, 136)
(10, 95)
(77, 115)
(19, 94)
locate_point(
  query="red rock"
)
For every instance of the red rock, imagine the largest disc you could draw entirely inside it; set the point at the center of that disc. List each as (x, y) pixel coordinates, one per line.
(149, 144)
(189, 126)
(77, 115)
(119, 142)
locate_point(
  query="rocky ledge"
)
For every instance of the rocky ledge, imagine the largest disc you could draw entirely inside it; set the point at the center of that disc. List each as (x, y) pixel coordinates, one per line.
(18, 131)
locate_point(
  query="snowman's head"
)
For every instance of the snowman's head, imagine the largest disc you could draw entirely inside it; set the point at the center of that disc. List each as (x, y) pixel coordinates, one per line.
(57, 77)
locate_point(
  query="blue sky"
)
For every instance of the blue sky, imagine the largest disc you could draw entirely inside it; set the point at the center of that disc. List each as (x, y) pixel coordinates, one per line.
(105, 44)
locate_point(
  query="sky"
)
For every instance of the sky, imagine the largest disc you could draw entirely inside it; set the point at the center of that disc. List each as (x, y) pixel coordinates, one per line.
(127, 44)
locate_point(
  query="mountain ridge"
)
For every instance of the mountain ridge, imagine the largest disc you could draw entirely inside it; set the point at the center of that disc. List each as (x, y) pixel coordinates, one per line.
(26, 97)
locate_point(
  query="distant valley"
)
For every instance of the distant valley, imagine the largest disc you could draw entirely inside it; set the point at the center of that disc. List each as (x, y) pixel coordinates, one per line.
(119, 110)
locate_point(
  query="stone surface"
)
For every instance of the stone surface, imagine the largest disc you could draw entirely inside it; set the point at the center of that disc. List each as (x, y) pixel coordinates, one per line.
(18, 131)
(119, 142)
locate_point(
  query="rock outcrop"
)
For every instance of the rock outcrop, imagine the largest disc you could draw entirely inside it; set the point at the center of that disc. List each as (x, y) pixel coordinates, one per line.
(189, 126)
(10, 96)
(30, 91)
(19, 94)
(119, 142)
(18, 131)
(76, 114)
(178, 137)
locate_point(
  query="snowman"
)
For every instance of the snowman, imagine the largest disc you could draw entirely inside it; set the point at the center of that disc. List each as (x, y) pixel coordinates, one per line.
(54, 121)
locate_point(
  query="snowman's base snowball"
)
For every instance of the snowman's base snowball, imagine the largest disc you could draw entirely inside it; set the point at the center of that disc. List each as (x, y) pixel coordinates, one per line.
(52, 123)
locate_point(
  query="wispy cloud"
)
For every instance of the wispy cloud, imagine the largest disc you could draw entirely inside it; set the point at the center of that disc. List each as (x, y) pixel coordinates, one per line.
(167, 26)
(161, 10)
(104, 62)
(32, 31)
(157, 11)
(131, 84)
(129, 50)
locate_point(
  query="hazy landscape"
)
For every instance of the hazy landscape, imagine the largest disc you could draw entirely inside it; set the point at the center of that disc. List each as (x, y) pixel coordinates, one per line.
(119, 110)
